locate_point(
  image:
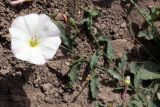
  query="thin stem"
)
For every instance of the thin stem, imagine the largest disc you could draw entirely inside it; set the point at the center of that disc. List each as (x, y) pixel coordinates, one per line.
(137, 92)
(76, 97)
(140, 12)
(66, 48)
(95, 40)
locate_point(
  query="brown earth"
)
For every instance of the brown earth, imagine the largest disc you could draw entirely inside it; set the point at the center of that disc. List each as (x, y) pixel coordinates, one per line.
(26, 85)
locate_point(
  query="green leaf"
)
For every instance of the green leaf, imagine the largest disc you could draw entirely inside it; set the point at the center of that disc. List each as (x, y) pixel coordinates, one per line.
(146, 34)
(90, 23)
(146, 14)
(149, 71)
(94, 82)
(110, 52)
(72, 21)
(137, 81)
(115, 74)
(155, 13)
(84, 21)
(122, 64)
(150, 103)
(148, 75)
(66, 39)
(74, 72)
(89, 19)
(92, 13)
(94, 59)
(133, 68)
(135, 103)
(102, 39)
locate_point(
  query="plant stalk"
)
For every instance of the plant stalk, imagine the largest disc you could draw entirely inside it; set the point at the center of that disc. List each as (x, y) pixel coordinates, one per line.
(140, 12)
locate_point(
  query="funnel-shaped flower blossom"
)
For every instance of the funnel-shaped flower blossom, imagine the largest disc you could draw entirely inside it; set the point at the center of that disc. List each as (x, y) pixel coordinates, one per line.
(34, 38)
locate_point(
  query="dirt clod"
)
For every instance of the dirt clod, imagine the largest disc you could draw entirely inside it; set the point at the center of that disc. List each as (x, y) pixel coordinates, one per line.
(46, 87)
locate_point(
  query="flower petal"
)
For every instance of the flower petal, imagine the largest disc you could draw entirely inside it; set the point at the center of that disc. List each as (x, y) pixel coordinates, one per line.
(49, 46)
(33, 23)
(37, 56)
(48, 28)
(24, 52)
(20, 24)
(18, 34)
(21, 49)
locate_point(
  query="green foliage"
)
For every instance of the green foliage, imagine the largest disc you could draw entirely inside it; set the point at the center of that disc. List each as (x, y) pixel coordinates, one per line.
(133, 68)
(94, 59)
(135, 103)
(115, 74)
(102, 40)
(74, 71)
(89, 19)
(108, 51)
(94, 82)
(147, 71)
(66, 38)
(146, 14)
(146, 74)
(122, 63)
(155, 13)
(146, 34)
(92, 13)
(151, 16)
(73, 22)
(144, 98)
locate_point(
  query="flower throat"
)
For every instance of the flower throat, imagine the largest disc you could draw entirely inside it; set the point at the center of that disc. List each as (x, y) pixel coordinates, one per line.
(33, 42)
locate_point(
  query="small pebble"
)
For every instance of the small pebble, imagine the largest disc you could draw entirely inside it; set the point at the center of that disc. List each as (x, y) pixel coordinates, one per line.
(123, 25)
(4, 72)
(46, 87)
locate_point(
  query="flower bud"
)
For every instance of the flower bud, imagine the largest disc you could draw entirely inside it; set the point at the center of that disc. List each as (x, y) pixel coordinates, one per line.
(127, 81)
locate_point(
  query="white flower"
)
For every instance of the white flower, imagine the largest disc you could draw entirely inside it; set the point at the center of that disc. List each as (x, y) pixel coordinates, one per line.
(34, 38)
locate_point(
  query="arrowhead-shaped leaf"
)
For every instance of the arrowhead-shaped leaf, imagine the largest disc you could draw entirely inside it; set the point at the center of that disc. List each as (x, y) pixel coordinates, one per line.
(74, 71)
(94, 59)
(66, 39)
(115, 74)
(147, 71)
(122, 63)
(94, 86)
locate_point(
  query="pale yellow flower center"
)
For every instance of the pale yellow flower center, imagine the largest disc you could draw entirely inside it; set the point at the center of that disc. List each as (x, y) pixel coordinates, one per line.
(33, 42)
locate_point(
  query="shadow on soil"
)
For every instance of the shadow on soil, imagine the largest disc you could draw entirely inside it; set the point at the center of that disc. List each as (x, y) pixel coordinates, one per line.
(103, 3)
(12, 93)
